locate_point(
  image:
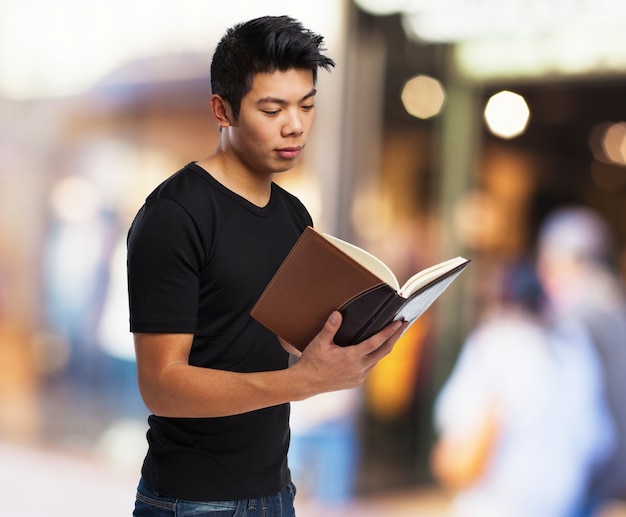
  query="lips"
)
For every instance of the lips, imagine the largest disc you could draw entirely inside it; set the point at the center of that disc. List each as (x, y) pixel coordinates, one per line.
(289, 152)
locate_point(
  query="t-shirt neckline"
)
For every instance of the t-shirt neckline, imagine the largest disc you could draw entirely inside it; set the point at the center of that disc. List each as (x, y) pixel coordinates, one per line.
(259, 210)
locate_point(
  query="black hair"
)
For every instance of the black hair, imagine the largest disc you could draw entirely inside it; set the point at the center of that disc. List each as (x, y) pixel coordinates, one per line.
(521, 286)
(263, 45)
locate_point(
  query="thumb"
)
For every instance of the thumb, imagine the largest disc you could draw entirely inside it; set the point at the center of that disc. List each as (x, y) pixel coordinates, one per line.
(331, 326)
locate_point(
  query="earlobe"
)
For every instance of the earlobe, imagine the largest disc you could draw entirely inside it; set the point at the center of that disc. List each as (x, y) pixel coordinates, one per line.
(220, 110)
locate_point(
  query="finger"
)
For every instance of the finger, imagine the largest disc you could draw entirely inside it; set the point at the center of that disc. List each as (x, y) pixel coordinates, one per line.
(331, 327)
(386, 346)
(374, 342)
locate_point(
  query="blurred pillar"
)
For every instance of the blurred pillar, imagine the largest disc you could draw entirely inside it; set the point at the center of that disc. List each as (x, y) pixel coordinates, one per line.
(347, 141)
(459, 152)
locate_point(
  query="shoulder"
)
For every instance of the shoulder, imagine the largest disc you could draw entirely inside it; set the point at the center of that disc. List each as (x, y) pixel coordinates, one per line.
(293, 203)
(167, 214)
(507, 329)
(190, 194)
(182, 185)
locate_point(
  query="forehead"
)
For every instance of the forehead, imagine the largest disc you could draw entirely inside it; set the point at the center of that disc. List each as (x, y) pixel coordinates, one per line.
(289, 85)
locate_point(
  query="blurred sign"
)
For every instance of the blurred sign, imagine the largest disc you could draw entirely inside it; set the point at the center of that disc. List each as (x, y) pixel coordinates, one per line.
(448, 21)
(568, 53)
(508, 38)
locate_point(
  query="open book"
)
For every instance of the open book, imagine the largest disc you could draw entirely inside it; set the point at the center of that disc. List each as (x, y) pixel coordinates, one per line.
(322, 274)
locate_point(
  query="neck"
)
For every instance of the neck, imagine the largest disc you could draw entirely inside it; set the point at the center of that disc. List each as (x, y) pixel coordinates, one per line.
(255, 188)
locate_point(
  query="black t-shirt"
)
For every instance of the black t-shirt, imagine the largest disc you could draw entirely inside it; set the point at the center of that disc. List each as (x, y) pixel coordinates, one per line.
(199, 256)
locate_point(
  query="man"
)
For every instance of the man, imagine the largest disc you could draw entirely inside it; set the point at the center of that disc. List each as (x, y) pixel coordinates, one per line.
(200, 252)
(576, 265)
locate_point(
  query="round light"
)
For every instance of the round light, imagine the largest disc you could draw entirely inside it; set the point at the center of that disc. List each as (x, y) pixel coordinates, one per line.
(423, 96)
(507, 114)
(614, 143)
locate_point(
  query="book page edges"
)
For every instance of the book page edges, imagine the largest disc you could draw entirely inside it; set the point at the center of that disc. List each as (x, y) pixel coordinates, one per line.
(382, 271)
(421, 300)
(430, 274)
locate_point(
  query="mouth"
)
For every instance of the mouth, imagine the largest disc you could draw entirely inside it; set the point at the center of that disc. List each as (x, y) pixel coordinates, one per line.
(289, 152)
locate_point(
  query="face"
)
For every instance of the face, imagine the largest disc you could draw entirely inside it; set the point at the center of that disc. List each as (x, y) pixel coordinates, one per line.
(274, 121)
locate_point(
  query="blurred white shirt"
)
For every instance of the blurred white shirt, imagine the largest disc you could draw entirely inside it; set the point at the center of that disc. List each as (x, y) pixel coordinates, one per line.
(555, 425)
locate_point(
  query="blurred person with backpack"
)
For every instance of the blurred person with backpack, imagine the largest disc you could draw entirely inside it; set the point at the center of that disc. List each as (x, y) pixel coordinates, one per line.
(522, 420)
(575, 264)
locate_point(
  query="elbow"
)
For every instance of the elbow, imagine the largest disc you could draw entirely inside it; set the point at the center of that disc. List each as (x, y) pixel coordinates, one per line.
(152, 401)
(155, 398)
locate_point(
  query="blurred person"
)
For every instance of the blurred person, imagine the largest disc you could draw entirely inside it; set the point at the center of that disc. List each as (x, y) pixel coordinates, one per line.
(522, 419)
(200, 252)
(75, 270)
(576, 265)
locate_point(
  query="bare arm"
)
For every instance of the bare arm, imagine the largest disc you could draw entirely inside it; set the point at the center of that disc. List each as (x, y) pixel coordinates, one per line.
(459, 461)
(171, 387)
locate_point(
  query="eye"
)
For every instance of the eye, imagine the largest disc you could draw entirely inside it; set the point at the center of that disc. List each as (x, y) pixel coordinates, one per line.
(271, 112)
(308, 107)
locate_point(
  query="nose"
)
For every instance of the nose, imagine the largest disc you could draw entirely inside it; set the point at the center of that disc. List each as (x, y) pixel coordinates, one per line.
(294, 125)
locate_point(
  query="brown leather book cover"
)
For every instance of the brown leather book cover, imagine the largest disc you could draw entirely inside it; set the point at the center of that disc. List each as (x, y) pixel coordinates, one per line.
(315, 279)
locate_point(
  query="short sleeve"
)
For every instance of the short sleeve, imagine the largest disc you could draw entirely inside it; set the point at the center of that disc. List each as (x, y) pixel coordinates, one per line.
(164, 260)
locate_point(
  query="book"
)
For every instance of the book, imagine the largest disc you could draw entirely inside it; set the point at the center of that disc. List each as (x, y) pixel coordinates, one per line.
(322, 274)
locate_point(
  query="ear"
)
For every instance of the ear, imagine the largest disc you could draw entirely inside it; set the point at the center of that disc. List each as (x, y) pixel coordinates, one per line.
(221, 111)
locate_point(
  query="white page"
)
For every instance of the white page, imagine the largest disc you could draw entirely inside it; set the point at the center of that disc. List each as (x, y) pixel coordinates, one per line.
(367, 260)
(427, 275)
(418, 305)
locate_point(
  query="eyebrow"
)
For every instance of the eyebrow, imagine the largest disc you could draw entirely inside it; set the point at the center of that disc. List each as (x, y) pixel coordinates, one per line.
(276, 100)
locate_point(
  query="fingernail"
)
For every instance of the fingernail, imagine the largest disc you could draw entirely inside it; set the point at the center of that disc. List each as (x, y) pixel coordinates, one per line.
(397, 325)
(333, 318)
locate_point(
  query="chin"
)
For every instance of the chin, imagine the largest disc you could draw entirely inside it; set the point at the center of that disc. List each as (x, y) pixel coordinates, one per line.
(286, 167)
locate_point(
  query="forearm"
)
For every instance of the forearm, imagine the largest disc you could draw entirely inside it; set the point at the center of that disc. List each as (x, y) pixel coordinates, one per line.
(192, 392)
(171, 387)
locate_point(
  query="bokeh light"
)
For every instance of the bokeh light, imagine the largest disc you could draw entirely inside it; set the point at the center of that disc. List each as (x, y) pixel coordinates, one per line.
(614, 143)
(507, 114)
(607, 142)
(423, 96)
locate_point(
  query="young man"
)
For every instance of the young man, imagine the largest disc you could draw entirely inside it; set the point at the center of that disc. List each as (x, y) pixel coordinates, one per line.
(200, 252)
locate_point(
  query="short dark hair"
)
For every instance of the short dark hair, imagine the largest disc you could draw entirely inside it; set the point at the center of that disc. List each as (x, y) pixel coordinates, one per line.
(263, 45)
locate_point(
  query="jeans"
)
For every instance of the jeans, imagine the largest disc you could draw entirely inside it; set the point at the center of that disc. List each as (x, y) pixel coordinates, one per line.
(151, 504)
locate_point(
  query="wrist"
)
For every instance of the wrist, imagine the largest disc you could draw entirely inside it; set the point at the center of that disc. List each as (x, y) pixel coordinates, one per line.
(302, 383)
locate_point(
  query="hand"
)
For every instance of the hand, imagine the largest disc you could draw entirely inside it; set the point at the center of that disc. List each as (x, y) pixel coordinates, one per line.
(325, 366)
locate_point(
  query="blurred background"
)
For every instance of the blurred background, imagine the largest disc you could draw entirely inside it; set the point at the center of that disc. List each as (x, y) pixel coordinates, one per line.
(447, 128)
